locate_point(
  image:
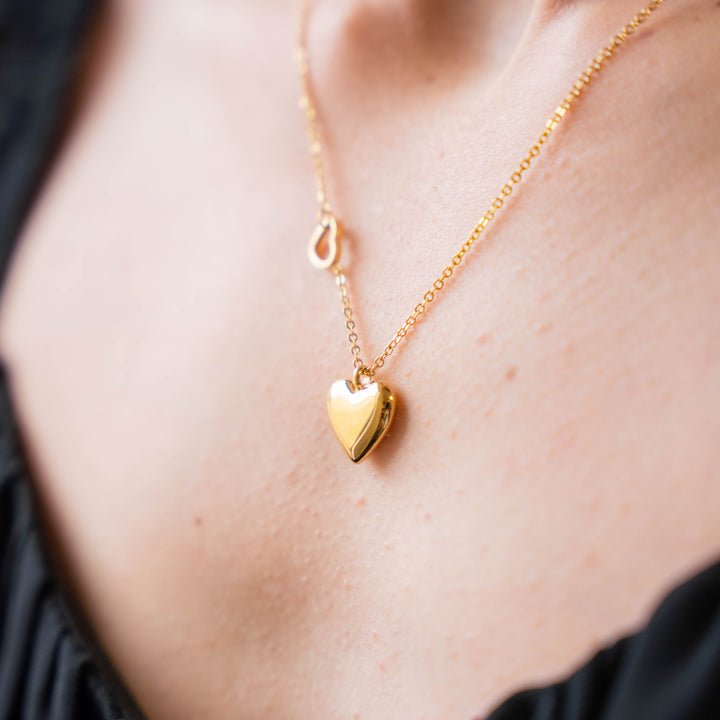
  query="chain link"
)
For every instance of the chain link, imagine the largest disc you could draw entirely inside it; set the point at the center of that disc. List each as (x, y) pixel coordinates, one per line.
(341, 281)
(307, 103)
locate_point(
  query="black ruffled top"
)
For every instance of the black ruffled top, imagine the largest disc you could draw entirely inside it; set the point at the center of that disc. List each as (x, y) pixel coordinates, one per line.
(51, 668)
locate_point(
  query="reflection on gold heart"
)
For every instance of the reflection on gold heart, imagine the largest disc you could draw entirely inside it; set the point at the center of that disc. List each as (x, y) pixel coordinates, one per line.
(360, 415)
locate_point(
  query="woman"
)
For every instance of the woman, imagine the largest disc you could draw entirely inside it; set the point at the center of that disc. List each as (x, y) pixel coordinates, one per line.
(551, 471)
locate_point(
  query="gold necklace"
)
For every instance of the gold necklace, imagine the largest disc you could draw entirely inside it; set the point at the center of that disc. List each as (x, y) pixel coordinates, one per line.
(361, 410)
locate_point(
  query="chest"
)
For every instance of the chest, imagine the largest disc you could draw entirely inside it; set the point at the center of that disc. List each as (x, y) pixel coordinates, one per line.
(557, 408)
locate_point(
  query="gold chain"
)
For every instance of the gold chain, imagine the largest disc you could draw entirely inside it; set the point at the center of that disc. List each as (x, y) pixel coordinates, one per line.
(307, 103)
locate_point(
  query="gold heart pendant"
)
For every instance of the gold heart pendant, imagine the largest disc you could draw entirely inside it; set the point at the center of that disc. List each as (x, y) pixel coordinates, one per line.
(360, 415)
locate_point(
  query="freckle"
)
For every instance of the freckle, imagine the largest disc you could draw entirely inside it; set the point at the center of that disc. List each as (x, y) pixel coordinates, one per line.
(408, 373)
(591, 557)
(460, 491)
(511, 373)
(375, 636)
(453, 434)
(540, 327)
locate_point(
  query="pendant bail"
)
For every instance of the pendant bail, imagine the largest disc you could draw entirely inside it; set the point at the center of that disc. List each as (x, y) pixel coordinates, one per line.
(362, 372)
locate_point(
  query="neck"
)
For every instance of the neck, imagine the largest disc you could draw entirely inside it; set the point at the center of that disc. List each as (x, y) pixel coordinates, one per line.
(394, 45)
(432, 32)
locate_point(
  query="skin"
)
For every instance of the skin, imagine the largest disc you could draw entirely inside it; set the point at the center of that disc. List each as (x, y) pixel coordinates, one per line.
(553, 467)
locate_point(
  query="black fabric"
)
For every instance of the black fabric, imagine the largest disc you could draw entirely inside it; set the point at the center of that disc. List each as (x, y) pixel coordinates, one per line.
(52, 669)
(47, 672)
(39, 41)
(669, 671)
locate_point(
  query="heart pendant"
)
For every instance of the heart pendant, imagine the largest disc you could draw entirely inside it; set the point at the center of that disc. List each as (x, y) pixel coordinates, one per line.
(360, 415)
